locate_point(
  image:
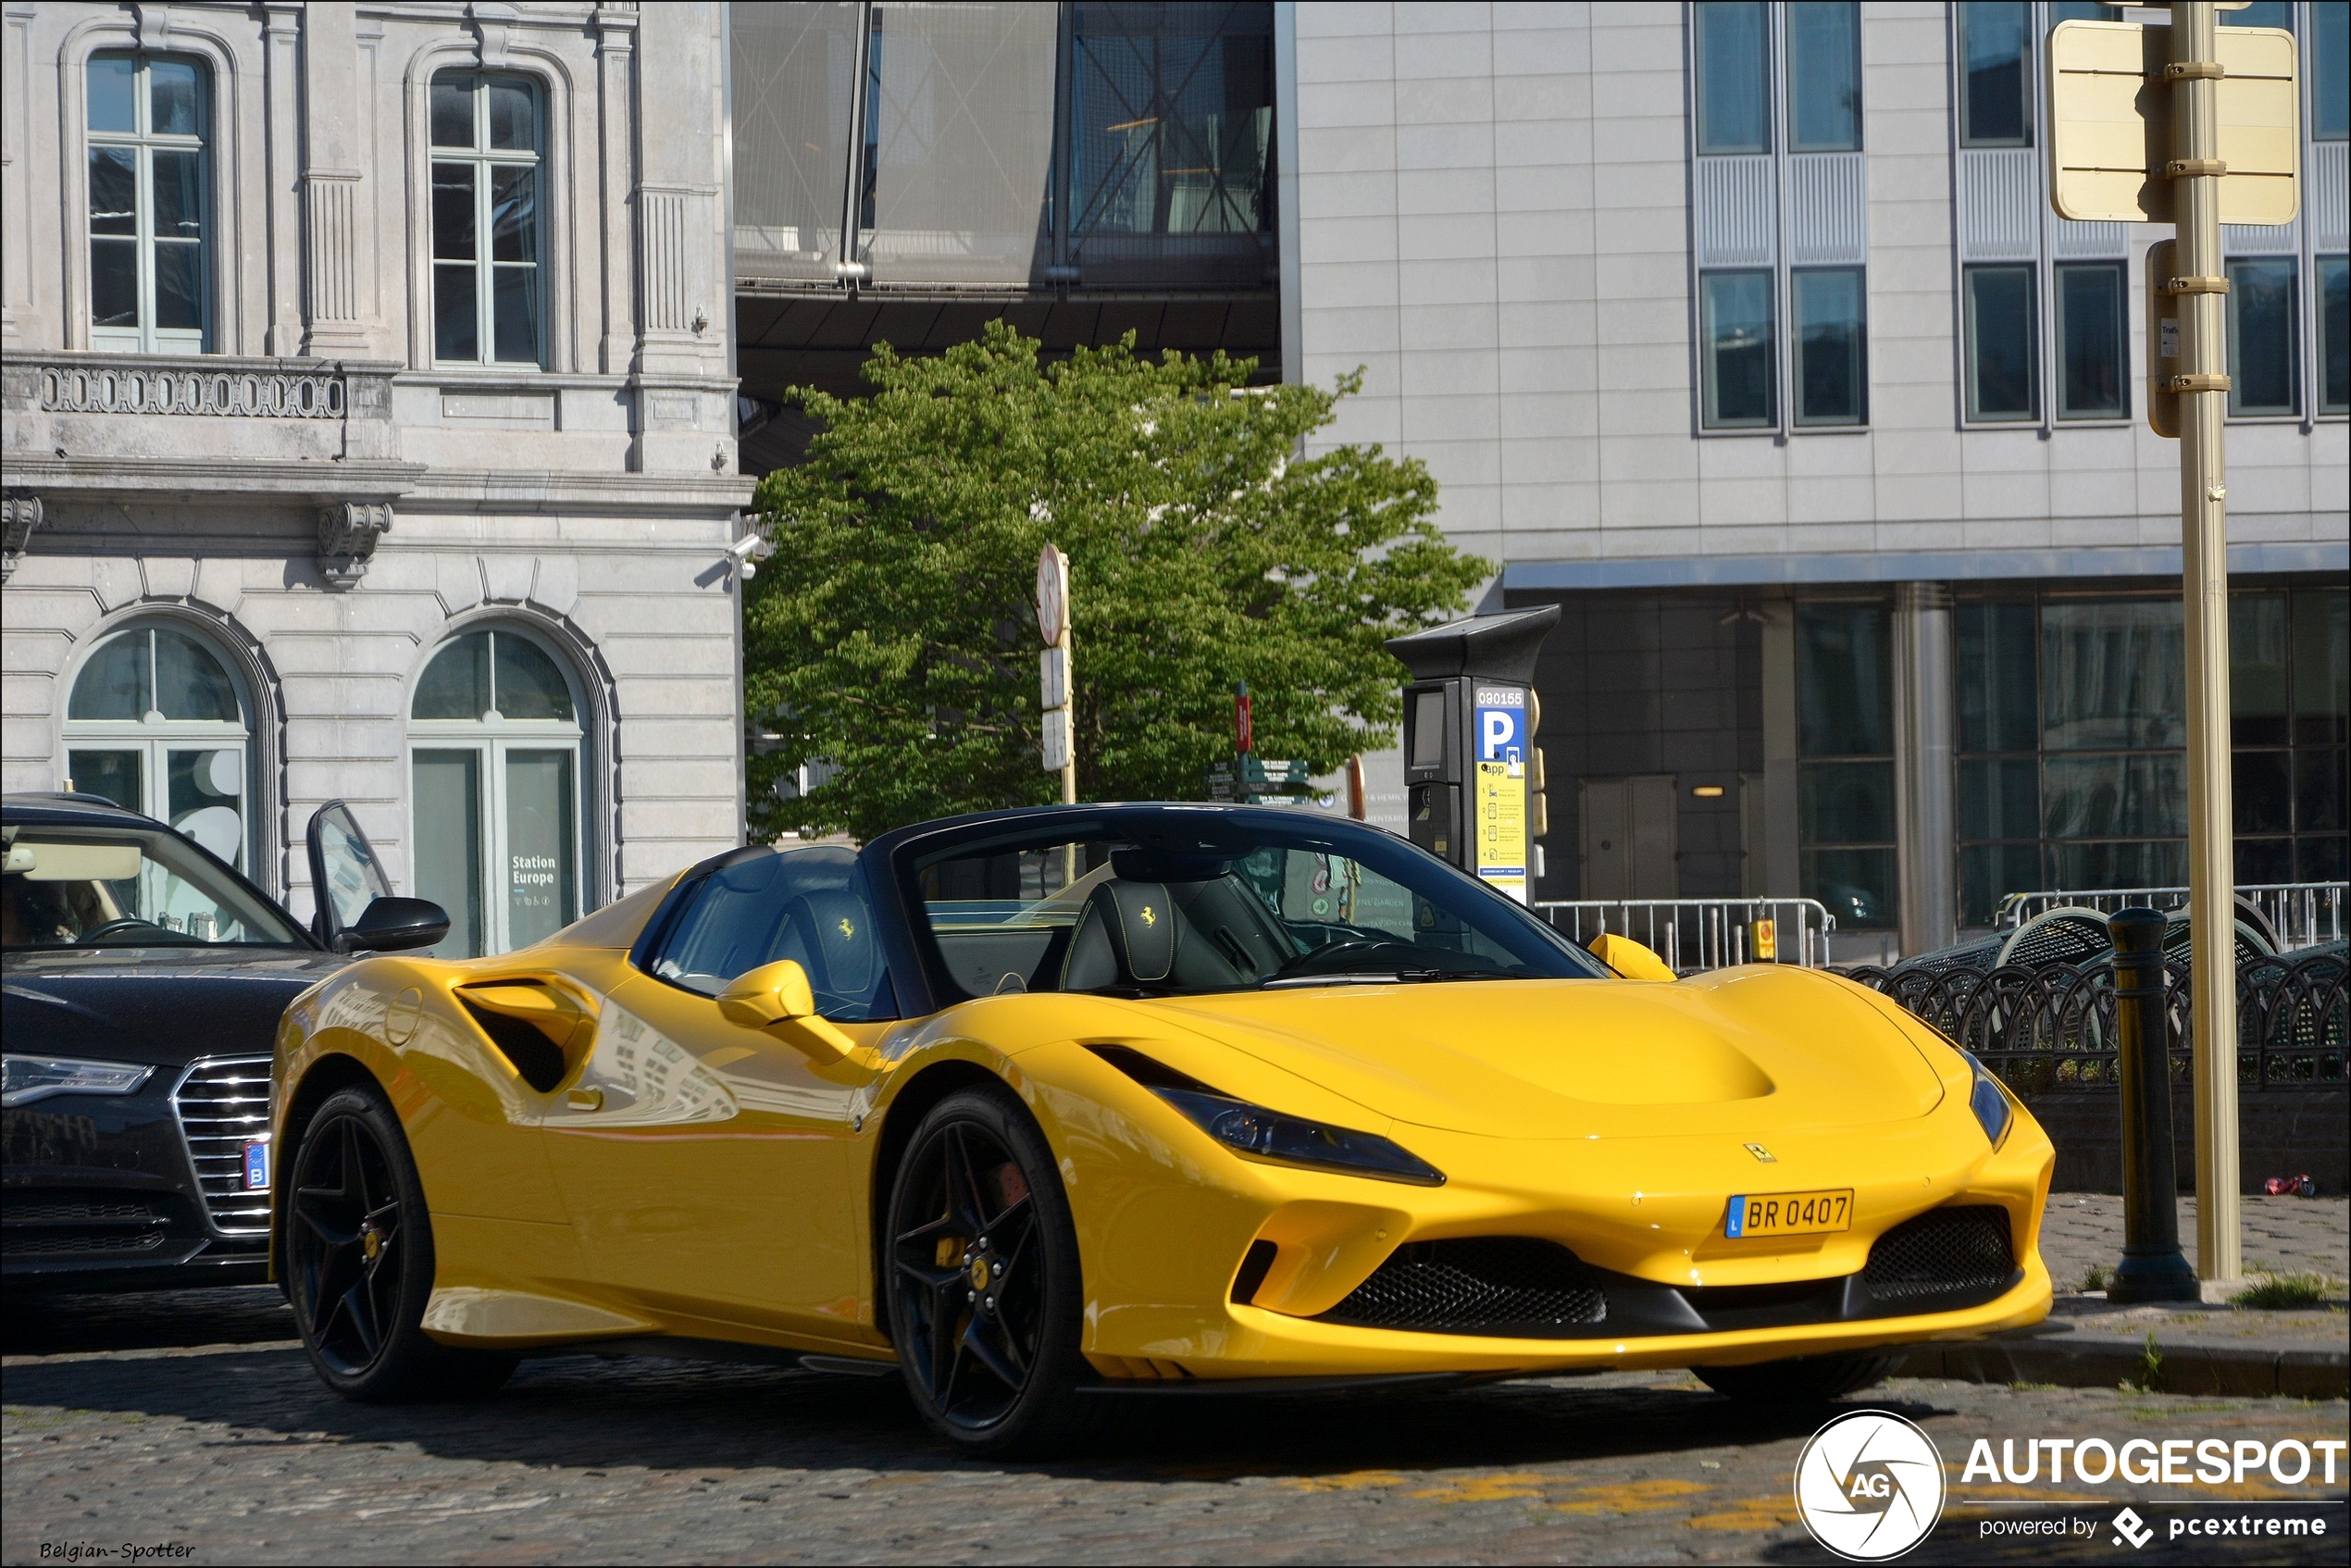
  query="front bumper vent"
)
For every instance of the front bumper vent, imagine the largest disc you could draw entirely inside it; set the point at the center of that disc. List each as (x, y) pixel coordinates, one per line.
(1955, 1251)
(223, 1104)
(1507, 1287)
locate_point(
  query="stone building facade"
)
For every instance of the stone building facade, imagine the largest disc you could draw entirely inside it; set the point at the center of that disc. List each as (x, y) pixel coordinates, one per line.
(369, 433)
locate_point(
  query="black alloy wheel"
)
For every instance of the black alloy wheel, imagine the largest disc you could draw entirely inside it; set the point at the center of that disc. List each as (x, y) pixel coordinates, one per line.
(359, 1261)
(983, 1277)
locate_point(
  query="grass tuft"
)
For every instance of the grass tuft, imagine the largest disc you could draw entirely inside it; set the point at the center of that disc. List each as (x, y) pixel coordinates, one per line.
(2098, 1278)
(2287, 1292)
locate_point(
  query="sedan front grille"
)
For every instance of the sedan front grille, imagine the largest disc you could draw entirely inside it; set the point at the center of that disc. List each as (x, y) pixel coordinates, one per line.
(1507, 1286)
(1942, 1253)
(223, 1104)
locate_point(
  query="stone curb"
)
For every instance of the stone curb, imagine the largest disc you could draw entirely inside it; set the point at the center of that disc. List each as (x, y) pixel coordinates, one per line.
(2103, 1361)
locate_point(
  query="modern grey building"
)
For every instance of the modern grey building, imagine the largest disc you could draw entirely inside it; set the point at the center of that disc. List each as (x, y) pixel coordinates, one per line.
(1744, 333)
(370, 433)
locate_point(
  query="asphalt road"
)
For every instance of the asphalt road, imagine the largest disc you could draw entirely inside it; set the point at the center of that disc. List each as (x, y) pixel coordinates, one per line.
(191, 1420)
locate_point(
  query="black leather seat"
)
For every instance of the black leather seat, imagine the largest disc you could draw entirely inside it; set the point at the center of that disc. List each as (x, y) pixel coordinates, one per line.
(1128, 935)
(837, 937)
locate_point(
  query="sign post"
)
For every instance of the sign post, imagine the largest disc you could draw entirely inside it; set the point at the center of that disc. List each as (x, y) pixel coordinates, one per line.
(1054, 674)
(2191, 125)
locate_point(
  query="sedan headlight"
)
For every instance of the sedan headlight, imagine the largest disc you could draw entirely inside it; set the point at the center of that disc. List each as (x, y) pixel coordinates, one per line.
(1990, 1105)
(1292, 1140)
(24, 1079)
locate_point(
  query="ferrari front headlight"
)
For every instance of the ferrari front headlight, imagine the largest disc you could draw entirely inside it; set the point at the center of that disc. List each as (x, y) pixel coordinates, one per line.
(24, 1079)
(1292, 1140)
(1985, 1099)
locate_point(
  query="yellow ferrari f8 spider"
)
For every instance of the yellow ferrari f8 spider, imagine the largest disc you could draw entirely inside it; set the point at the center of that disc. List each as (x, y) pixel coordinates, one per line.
(1038, 1105)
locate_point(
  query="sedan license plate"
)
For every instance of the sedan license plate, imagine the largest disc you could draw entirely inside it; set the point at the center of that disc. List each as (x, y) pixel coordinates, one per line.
(256, 1166)
(1788, 1213)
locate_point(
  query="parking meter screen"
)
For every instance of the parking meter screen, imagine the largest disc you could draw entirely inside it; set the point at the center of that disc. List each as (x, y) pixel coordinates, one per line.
(1429, 729)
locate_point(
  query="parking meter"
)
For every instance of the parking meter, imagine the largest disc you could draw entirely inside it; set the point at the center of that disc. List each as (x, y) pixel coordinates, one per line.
(1473, 775)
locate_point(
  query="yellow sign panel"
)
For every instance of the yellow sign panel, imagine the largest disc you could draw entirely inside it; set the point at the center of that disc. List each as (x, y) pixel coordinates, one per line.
(2110, 123)
(1501, 827)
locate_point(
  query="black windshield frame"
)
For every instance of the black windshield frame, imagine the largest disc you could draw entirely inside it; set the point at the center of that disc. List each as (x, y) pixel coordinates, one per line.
(1220, 831)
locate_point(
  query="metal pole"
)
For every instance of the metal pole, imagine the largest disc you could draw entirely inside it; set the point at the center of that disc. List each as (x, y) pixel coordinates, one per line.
(2152, 1269)
(2203, 390)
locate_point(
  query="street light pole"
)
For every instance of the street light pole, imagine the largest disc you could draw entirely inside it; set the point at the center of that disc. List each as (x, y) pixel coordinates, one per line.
(2203, 389)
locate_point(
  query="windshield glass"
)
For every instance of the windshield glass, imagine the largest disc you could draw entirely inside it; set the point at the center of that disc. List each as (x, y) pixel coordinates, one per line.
(1132, 912)
(79, 886)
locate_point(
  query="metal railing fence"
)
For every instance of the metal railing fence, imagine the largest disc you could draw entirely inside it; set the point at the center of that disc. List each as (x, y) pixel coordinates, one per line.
(2052, 1025)
(1696, 934)
(2302, 914)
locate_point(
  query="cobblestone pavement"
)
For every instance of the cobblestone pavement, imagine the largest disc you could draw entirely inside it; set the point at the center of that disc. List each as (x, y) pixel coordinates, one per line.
(192, 1418)
(2082, 1230)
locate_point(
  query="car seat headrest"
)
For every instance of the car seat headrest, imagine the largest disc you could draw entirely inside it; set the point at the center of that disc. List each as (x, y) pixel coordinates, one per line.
(837, 932)
(1140, 919)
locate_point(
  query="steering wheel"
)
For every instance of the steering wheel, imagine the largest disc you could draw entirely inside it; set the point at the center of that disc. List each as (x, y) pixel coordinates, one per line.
(120, 923)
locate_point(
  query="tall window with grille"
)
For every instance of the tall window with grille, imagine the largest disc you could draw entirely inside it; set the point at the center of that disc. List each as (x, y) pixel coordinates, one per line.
(148, 119)
(488, 290)
(2044, 301)
(1780, 227)
(1845, 780)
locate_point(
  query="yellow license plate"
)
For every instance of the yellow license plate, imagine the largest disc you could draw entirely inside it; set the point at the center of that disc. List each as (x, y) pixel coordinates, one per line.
(1788, 1213)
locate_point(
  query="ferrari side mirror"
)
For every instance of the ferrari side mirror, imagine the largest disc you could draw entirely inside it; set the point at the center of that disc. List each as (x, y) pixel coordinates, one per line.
(1629, 958)
(778, 997)
(394, 924)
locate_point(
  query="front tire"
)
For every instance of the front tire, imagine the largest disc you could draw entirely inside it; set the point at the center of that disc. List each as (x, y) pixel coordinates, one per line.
(359, 1261)
(985, 1301)
(1804, 1380)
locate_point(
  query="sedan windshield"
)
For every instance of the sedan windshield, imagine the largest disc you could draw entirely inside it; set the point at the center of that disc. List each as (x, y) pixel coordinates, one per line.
(107, 888)
(1131, 911)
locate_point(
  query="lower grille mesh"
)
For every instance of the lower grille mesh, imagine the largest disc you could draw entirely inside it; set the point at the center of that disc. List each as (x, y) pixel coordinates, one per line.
(1943, 1251)
(1510, 1286)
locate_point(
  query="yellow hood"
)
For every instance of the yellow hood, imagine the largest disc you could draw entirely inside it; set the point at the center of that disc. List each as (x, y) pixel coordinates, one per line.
(1736, 1050)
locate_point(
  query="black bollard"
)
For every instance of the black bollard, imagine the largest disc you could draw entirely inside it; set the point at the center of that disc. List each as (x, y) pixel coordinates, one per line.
(2153, 1268)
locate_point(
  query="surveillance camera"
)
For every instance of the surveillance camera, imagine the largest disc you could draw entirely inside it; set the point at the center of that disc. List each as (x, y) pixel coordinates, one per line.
(751, 547)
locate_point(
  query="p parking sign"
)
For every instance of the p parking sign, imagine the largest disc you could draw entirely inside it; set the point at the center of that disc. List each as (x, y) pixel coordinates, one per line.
(1498, 827)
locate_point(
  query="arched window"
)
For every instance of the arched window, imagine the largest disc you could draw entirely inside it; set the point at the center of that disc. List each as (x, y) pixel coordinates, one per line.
(156, 723)
(149, 118)
(487, 303)
(494, 766)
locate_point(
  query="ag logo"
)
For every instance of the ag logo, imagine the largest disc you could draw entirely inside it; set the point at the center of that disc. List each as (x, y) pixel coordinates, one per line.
(1869, 1486)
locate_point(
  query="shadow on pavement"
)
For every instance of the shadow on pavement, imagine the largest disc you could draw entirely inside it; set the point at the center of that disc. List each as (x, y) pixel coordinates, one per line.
(40, 1323)
(666, 1416)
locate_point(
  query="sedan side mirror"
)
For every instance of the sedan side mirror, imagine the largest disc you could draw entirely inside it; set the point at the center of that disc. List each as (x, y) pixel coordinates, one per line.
(778, 997)
(390, 924)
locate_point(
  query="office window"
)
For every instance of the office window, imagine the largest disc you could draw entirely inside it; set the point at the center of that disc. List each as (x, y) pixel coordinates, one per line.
(486, 281)
(2262, 13)
(2330, 72)
(1739, 368)
(148, 118)
(2000, 372)
(1832, 371)
(1824, 77)
(1734, 51)
(2334, 340)
(1845, 781)
(2264, 352)
(1996, 86)
(2093, 355)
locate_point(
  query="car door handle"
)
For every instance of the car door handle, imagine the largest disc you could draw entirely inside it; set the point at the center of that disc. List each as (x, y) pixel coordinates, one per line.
(585, 1100)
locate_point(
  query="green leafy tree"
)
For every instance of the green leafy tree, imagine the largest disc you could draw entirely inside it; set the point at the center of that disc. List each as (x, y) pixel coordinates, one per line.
(893, 635)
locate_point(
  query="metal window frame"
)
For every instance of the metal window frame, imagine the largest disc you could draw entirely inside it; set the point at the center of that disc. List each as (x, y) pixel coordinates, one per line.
(482, 158)
(2037, 413)
(143, 142)
(155, 741)
(2295, 344)
(1796, 350)
(1784, 425)
(2059, 326)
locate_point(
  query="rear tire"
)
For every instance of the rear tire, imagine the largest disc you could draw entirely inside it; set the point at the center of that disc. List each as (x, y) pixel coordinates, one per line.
(1804, 1380)
(359, 1261)
(985, 1305)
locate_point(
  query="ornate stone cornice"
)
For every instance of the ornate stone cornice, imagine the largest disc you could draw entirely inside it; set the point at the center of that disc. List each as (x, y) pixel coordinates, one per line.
(22, 514)
(347, 535)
